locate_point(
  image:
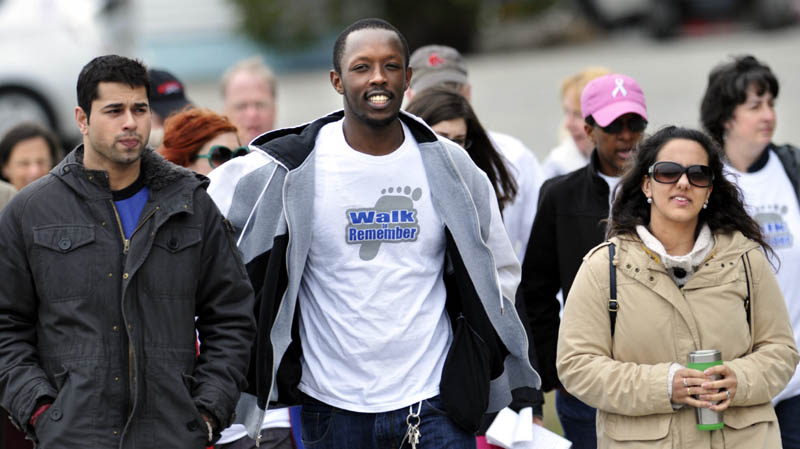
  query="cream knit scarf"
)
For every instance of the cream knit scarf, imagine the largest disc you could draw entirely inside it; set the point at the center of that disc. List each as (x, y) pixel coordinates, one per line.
(680, 268)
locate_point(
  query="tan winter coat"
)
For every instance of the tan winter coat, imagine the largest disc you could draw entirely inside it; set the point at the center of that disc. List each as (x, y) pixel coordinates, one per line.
(658, 324)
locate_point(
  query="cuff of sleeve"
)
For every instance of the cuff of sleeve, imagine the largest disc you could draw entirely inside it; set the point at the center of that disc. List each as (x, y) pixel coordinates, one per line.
(671, 377)
(216, 403)
(38, 412)
(742, 384)
(657, 401)
(29, 401)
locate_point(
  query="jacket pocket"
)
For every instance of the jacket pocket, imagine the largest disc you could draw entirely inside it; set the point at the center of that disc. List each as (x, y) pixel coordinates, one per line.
(62, 261)
(742, 417)
(171, 269)
(636, 428)
(55, 413)
(464, 388)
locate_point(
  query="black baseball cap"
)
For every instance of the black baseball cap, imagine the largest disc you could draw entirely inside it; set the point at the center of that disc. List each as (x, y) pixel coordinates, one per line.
(166, 93)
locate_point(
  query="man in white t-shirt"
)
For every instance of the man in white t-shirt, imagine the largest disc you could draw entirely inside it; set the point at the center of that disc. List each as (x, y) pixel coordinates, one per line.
(381, 266)
(436, 65)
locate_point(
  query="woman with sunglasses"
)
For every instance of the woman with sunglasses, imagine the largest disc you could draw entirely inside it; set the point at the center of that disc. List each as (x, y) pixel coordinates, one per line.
(450, 115)
(738, 110)
(200, 140)
(690, 273)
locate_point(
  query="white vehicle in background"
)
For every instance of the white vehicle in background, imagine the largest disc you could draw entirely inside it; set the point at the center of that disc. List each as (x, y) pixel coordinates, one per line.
(43, 46)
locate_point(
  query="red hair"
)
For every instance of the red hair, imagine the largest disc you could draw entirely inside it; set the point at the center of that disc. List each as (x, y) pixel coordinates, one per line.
(186, 131)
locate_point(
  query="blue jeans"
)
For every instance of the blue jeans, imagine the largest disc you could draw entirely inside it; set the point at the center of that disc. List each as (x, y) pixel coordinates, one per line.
(327, 427)
(788, 411)
(577, 419)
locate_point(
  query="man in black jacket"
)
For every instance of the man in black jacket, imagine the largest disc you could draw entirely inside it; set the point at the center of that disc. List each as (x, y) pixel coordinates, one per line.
(569, 222)
(105, 263)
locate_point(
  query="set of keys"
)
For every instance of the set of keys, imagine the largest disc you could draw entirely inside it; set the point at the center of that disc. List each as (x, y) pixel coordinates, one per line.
(413, 434)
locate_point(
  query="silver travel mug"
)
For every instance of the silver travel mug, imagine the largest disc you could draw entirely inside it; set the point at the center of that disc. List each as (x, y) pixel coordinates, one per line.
(701, 360)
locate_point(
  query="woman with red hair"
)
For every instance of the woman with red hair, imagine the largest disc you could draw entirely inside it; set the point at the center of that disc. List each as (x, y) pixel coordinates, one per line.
(200, 140)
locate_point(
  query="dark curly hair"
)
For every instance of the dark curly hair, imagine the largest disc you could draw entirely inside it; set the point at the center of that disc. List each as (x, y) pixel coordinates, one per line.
(725, 211)
(727, 88)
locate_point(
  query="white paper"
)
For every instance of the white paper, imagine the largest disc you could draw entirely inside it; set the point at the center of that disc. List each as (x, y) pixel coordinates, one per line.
(517, 431)
(501, 432)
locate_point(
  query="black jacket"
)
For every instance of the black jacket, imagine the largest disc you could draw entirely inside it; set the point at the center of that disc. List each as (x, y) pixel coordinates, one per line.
(569, 222)
(108, 334)
(790, 159)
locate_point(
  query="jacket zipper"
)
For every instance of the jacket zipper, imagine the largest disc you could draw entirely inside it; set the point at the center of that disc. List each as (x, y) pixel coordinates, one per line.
(126, 245)
(126, 242)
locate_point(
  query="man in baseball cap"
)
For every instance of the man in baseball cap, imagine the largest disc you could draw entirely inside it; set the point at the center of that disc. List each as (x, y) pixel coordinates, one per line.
(437, 65)
(569, 222)
(434, 65)
(167, 96)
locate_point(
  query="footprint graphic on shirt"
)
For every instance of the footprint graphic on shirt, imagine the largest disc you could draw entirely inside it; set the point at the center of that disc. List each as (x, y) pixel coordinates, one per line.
(392, 199)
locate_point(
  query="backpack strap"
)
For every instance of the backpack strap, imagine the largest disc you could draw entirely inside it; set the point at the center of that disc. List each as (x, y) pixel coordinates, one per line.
(613, 305)
(746, 261)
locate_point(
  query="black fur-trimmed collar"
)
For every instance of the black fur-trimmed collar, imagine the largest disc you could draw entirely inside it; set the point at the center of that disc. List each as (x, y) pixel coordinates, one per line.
(158, 172)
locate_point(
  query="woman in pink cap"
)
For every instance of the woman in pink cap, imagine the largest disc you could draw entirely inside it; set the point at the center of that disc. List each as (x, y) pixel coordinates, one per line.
(569, 222)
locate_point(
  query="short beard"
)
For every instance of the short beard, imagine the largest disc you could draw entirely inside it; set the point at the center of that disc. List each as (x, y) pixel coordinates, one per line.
(378, 123)
(371, 122)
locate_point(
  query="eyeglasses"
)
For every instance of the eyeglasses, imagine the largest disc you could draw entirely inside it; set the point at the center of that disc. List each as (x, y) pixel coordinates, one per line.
(220, 154)
(463, 142)
(635, 124)
(671, 172)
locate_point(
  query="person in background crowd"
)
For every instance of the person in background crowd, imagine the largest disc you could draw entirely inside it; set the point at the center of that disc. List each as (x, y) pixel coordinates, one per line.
(575, 148)
(7, 191)
(450, 115)
(570, 222)
(249, 92)
(200, 140)
(690, 273)
(109, 263)
(27, 152)
(387, 320)
(738, 110)
(435, 65)
(167, 96)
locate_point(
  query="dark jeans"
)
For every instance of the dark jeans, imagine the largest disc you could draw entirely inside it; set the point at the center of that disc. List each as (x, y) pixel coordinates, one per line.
(788, 411)
(577, 419)
(326, 427)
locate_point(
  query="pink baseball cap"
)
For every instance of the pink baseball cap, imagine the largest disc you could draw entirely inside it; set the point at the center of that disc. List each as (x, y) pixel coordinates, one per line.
(608, 97)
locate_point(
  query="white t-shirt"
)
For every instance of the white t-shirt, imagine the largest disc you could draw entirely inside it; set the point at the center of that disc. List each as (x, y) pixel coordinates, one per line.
(523, 166)
(771, 201)
(373, 324)
(613, 182)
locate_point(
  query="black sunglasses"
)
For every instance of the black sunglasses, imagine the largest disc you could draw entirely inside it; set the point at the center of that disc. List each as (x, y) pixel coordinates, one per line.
(635, 124)
(220, 154)
(671, 172)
